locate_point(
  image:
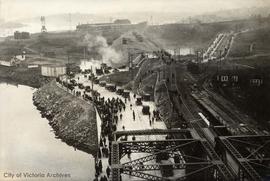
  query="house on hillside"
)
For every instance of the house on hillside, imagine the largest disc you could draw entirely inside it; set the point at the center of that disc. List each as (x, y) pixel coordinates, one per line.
(12, 60)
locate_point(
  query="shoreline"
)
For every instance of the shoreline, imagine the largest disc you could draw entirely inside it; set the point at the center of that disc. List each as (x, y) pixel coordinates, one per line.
(73, 121)
(54, 110)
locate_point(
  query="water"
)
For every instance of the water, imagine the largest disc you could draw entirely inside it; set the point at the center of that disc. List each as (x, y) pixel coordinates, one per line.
(28, 145)
(32, 28)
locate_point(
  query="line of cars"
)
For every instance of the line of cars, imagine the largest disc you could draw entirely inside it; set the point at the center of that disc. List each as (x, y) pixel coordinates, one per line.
(126, 94)
(72, 83)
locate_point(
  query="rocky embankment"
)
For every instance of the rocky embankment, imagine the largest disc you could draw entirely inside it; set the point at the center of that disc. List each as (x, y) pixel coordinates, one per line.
(72, 119)
(148, 81)
(163, 103)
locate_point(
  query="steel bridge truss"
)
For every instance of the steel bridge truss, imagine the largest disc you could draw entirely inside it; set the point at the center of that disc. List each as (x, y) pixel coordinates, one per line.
(250, 152)
(193, 159)
(184, 133)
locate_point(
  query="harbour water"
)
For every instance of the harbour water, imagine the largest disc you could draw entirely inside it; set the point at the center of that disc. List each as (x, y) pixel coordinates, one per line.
(28, 145)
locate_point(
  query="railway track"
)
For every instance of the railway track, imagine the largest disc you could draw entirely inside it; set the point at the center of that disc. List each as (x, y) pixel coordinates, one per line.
(206, 140)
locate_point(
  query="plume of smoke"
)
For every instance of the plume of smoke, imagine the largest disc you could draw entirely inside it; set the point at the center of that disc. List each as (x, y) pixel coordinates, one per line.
(99, 44)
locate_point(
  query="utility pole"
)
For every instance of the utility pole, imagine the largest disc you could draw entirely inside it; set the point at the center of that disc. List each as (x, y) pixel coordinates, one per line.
(69, 20)
(197, 55)
(84, 51)
(92, 78)
(220, 57)
(68, 66)
(130, 64)
(179, 54)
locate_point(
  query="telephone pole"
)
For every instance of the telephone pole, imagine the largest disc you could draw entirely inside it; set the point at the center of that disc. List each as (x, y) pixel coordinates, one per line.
(69, 20)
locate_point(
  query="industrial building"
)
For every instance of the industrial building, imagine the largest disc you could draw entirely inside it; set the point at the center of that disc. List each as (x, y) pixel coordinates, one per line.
(21, 35)
(119, 24)
(53, 70)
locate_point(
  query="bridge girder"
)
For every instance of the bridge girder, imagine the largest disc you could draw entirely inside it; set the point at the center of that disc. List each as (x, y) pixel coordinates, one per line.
(181, 147)
(250, 152)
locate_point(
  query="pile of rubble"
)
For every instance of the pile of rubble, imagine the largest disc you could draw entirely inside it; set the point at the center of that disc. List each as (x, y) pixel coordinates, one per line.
(73, 120)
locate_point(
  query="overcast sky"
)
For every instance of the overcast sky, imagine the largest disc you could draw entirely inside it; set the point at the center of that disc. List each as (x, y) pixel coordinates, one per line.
(15, 9)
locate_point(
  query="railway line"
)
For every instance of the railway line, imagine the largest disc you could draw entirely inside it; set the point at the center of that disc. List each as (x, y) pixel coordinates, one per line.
(206, 136)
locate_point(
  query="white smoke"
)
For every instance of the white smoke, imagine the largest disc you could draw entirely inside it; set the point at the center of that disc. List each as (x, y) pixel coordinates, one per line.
(99, 44)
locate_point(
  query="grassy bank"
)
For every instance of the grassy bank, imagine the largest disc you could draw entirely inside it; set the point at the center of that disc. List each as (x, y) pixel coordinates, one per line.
(22, 75)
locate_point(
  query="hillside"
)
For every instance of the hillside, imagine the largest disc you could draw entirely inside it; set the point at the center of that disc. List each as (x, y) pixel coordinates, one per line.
(135, 43)
(251, 43)
(197, 35)
(252, 47)
(232, 14)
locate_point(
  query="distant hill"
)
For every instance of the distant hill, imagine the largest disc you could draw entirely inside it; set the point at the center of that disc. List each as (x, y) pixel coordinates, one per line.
(64, 19)
(198, 35)
(155, 18)
(254, 45)
(134, 17)
(229, 15)
(4, 25)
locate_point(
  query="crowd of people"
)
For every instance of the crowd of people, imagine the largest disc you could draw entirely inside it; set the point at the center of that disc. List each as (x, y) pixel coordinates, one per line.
(110, 111)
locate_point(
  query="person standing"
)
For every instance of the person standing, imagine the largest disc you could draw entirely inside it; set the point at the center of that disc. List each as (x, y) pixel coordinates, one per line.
(100, 166)
(133, 115)
(97, 169)
(121, 116)
(108, 171)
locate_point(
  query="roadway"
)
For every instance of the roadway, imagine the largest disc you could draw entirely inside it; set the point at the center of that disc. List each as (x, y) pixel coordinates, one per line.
(141, 121)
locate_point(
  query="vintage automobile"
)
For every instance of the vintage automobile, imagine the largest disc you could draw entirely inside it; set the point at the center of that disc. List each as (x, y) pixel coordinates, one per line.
(146, 110)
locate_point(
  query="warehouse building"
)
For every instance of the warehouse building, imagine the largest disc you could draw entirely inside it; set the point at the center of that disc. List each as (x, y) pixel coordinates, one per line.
(53, 70)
